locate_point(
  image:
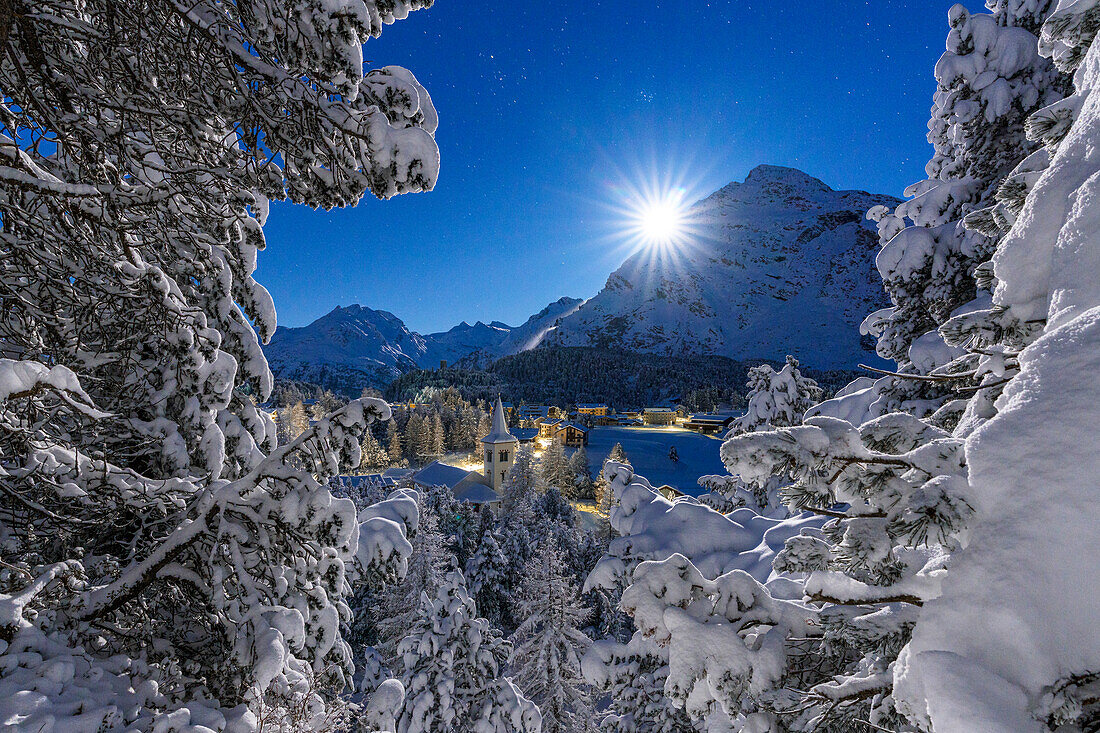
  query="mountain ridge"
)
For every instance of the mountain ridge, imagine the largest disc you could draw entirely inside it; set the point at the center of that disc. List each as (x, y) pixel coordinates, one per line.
(355, 346)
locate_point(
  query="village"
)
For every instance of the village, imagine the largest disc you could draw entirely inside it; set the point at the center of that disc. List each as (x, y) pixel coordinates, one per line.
(666, 441)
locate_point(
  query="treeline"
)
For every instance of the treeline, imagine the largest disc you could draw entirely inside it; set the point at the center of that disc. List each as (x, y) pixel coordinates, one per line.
(567, 375)
(444, 421)
(441, 421)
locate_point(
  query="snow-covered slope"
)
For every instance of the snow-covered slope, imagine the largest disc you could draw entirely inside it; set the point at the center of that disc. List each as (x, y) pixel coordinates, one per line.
(779, 264)
(526, 337)
(353, 347)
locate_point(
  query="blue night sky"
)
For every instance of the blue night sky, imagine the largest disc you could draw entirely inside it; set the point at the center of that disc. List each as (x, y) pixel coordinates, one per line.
(550, 111)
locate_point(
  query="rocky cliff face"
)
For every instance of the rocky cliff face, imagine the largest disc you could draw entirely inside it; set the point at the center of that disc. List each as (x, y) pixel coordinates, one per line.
(779, 264)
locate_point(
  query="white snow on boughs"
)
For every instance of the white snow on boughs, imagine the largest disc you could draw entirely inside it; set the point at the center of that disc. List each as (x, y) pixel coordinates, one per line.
(726, 638)
(22, 378)
(383, 545)
(452, 671)
(654, 528)
(167, 565)
(1011, 644)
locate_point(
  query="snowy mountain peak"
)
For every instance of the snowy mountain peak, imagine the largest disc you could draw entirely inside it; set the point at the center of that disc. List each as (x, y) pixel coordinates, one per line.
(763, 176)
(780, 263)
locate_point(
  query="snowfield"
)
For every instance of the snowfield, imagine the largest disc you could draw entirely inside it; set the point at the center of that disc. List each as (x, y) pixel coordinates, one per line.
(647, 449)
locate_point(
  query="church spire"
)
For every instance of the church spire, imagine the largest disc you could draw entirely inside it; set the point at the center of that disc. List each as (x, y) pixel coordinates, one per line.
(499, 432)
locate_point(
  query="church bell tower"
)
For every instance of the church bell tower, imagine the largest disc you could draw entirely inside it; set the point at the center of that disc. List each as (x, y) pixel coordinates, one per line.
(500, 449)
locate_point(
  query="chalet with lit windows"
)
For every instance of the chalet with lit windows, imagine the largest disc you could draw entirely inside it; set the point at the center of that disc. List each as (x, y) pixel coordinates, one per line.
(572, 435)
(591, 409)
(659, 416)
(548, 426)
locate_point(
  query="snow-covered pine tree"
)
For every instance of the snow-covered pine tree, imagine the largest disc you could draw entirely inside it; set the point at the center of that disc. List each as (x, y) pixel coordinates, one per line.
(282, 426)
(776, 399)
(467, 428)
(618, 455)
(452, 671)
(393, 443)
(556, 469)
(633, 676)
(413, 439)
(604, 495)
(524, 480)
(376, 505)
(299, 420)
(579, 463)
(292, 422)
(487, 576)
(990, 80)
(461, 524)
(428, 566)
(158, 545)
(548, 645)
(586, 487)
(373, 454)
(984, 650)
(436, 441)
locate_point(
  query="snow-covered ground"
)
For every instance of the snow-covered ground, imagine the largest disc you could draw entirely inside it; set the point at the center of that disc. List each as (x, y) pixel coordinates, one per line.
(647, 449)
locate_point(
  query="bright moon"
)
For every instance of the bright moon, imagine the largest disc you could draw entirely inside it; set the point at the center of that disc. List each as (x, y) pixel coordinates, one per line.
(662, 221)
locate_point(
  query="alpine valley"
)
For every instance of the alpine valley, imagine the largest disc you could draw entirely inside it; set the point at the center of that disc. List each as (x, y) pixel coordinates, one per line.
(778, 264)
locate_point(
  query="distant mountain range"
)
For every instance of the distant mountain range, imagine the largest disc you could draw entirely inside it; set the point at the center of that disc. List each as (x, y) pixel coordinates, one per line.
(354, 347)
(778, 264)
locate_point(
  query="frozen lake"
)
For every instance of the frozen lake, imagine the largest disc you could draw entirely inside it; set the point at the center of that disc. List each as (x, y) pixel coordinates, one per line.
(647, 449)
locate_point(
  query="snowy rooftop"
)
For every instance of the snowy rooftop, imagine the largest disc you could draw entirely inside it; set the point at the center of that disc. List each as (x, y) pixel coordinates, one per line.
(467, 486)
(524, 434)
(440, 474)
(591, 406)
(476, 493)
(367, 479)
(710, 417)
